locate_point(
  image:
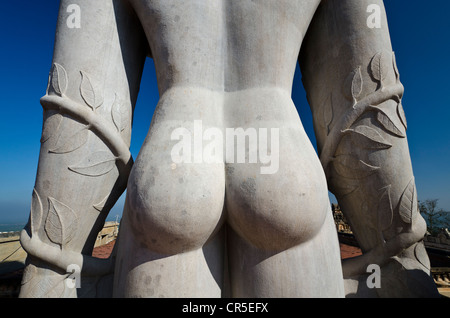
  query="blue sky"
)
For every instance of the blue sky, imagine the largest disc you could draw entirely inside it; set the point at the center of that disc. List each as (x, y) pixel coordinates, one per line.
(419, 32)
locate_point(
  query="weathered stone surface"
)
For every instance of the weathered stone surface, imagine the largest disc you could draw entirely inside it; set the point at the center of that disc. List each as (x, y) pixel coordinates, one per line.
(227, 196)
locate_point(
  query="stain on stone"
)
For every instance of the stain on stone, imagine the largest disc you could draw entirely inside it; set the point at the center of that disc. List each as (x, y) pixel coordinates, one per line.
(274, 212)
(174, 241)
(249, 186)
(151, 180)
(160, 112)
(46, 185)
(230, 170)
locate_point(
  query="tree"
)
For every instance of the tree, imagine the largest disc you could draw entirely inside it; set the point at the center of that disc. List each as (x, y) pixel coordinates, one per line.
(435, 217)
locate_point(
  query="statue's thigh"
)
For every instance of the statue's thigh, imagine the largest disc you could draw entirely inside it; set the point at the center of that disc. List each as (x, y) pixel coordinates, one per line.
(282, 240)
(170, 241)
(282, 209)
(309, 269)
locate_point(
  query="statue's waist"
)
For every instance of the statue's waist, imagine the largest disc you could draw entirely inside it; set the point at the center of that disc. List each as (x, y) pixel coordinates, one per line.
(257, 107)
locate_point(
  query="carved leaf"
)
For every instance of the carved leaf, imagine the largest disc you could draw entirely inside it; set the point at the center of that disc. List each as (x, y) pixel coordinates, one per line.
(61, 222)
(99, 206)
(385, 212)
(367, 138)
(388, 117)
(96, 164)
(340, 188)
(408, 202)
(380, 65)
(353, 84)
(36, 211)
(51, 126)
(394, 62)
(29, 274)
(51, 287)
(357, 83)
(401, 114)
(345, 146)
(351, 167)
(57, 290)
(119, 113)
(68, 143)
(387, 123)
(90, 92)
(53, 224)
(328, 113)
(421, 255)
(58, 79)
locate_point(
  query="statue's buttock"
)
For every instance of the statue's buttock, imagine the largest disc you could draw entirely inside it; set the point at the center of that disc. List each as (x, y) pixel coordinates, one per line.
(275, 199)
(217, 74)
(275, 196)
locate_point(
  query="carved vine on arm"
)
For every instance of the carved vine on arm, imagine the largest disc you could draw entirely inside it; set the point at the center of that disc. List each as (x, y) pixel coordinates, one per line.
(385, 102)
(61, 222)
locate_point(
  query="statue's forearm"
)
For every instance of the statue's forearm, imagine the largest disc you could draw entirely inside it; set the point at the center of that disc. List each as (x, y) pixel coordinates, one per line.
(366, 158)
(83, 168)
(354, 89)
(84, 159)
(368, 166)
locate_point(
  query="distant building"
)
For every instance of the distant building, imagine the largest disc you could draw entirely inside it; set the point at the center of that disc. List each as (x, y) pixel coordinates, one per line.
(339, 219)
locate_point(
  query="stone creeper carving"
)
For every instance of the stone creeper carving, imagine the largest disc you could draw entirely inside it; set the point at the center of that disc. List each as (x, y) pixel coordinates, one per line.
(60, 222)
(396, 227)
(84, 151)
(361, 129)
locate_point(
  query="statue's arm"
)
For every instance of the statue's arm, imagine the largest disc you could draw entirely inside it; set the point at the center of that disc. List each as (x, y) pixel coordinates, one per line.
(84, 158)
(354, 90)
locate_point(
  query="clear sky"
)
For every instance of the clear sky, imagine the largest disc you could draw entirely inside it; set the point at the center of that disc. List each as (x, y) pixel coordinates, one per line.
(421, 41)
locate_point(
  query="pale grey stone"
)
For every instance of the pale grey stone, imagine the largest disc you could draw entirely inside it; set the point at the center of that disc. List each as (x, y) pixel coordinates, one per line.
(226, 227)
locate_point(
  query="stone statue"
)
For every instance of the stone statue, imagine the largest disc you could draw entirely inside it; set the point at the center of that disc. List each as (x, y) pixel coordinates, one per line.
(248, 216)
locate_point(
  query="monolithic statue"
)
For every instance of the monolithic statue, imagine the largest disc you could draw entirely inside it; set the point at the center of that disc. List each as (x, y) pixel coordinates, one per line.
(249, 218)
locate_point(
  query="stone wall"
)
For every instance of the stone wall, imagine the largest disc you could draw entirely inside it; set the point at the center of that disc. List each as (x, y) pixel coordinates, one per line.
(107, 234)
(12, 255)
(440, 241)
